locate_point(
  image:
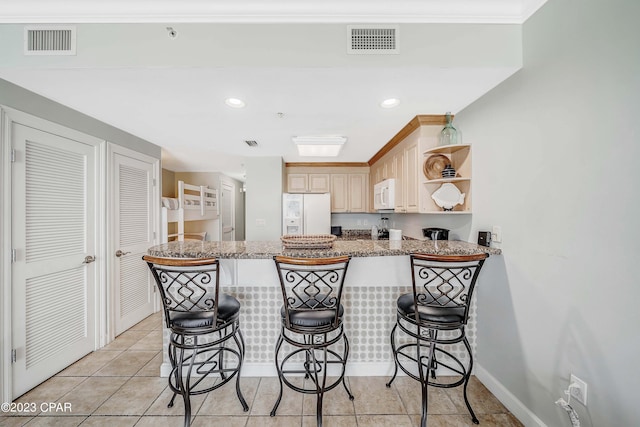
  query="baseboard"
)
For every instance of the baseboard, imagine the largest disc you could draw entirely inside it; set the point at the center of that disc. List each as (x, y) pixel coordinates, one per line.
(515, 406)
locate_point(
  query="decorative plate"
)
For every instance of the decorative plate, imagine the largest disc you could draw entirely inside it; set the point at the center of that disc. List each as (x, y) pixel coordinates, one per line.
(434, 165)
(448, 196)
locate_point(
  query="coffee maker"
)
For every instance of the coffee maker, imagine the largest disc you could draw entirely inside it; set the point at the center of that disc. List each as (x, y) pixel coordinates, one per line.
(383, 230)
(435, 233)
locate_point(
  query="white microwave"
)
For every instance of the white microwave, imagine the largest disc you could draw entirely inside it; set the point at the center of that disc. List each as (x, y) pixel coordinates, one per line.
(384, 194)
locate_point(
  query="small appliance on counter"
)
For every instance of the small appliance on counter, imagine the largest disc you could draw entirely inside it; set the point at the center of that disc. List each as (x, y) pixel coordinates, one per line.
(336, 230)
(435, 233)
(383, 230)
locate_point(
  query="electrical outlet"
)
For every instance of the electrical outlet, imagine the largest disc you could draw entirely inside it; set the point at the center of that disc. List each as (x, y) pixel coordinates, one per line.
(496, 234)
(578, 390)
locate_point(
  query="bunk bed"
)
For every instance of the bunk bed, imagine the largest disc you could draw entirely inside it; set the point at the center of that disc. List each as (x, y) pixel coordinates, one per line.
(194, 203)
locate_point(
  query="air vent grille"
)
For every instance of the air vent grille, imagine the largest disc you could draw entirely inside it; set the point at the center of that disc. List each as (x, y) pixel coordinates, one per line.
(372, 39)
(251, 142)
(50, 40)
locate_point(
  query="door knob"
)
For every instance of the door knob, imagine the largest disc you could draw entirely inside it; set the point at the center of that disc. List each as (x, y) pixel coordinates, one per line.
(89, 259)
(119, 253)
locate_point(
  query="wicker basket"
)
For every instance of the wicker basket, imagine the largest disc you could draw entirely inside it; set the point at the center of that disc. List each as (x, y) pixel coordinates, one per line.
(307, 241)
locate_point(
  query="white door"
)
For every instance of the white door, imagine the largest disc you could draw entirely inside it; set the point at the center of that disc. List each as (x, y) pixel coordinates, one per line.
(227, 211)
(133, 217)
(55, 188)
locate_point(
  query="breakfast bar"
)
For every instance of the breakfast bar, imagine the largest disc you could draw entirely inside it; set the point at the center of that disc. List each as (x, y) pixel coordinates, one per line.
(378, 273)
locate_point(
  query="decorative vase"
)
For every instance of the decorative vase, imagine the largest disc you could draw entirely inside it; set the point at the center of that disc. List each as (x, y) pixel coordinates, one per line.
(448, 172)
(449, 135)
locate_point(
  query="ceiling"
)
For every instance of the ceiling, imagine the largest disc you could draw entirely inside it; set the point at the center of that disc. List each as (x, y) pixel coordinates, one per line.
(286, 59)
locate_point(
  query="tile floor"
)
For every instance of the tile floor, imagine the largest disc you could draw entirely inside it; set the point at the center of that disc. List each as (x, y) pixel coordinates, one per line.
(119, 386)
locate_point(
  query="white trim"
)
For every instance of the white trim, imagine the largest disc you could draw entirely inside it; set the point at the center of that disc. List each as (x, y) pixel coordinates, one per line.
(5, 257)
(8, 116)
(511, 402)
(243, 11)
(111, 241)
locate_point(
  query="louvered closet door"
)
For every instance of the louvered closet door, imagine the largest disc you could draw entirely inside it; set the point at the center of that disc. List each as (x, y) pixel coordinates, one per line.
(133, 234)
(53, 231)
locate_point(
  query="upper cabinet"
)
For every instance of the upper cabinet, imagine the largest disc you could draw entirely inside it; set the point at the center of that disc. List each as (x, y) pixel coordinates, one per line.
(348, 183)
(308, 183)
(404, 157)
(349, 192)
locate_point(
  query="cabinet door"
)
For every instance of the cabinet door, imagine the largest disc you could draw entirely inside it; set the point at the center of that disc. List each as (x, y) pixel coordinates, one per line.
(411, 178)
(319, 183)
(339, 193)
(297, 182)
(398, 164)
(358, 189)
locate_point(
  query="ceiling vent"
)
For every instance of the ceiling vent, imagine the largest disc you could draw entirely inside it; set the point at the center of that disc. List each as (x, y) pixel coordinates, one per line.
(50, 40)
(251, 142)
(373, 39)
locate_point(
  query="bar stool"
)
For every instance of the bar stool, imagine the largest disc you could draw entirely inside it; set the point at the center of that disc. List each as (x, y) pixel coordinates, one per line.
(442, 290)
(205, 329)
(312, 324)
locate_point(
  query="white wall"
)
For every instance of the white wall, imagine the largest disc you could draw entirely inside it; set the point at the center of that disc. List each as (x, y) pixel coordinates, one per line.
(263, 200)
(21, 99)
(556, 151)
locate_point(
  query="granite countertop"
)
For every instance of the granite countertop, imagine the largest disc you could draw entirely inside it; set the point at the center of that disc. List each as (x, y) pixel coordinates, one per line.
(355, 248)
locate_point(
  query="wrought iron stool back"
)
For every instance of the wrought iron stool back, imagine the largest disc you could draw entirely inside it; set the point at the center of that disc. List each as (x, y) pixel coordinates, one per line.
(433, 315)
(202, 322)
(312, 322)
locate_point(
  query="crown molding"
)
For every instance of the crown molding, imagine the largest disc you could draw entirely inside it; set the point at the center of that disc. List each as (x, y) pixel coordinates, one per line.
(280, 11)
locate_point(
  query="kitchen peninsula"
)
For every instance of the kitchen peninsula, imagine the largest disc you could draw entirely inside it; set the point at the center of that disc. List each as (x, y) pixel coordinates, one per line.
(378, 273)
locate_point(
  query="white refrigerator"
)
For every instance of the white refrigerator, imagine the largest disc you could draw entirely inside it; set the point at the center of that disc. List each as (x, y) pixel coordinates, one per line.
(306, 213)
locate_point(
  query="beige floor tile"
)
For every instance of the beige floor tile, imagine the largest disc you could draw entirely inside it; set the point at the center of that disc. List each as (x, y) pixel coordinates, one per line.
(335, 402)
(481, 399)
(279, 421)
(330, 421)
(152, 368)
(51, 390)
(152, 322)
(126, 364)
(125, 340)
(134, 397)
(499, 420)
(90, 364)
(151, 341)
(223, 421)
(410, 392)
(6, 421)
(159, 406)
(224, 400)
(55, 422)
(110, 421)
(267, 394)
(373, 397)
(384, 421)
(161, 421)
(445, 421)
(89, 395)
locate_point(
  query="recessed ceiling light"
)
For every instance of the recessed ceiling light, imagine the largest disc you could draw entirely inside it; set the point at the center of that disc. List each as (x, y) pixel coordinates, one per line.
(390, 103)
(234, 102)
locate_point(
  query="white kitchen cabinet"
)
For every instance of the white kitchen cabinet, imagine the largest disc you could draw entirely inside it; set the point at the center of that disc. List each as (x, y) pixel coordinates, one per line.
(308, 183)
(349, 192)
(411, 177)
